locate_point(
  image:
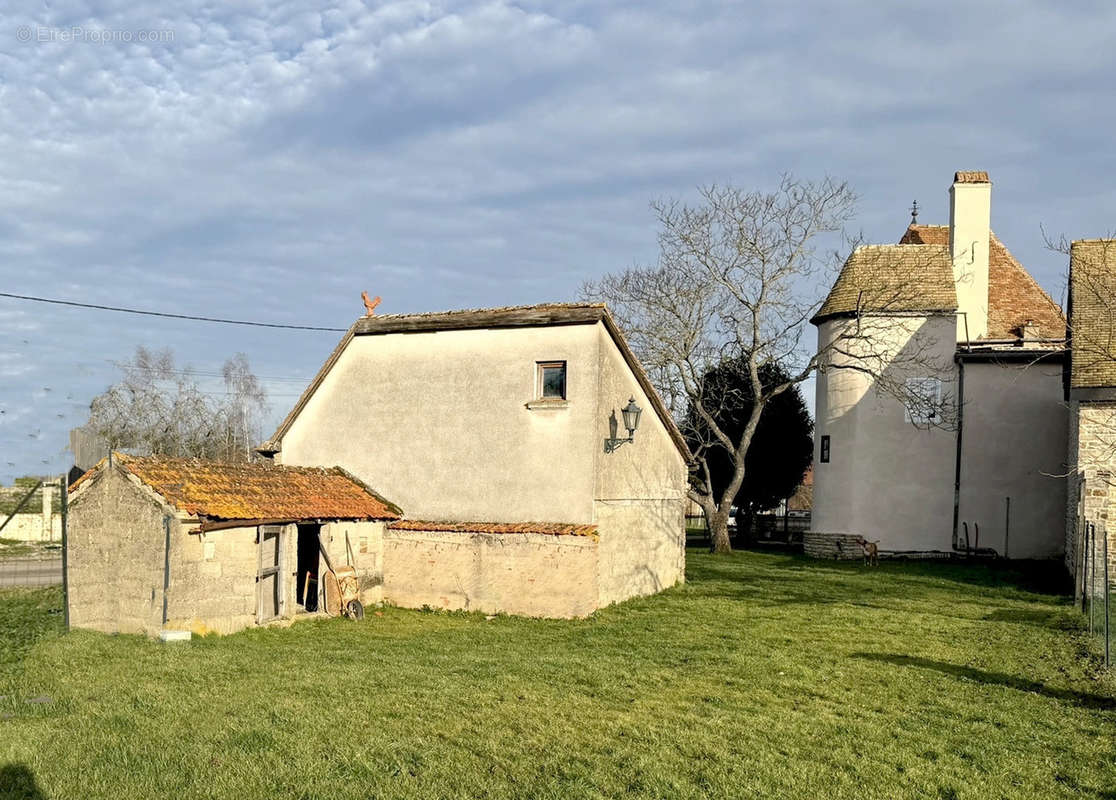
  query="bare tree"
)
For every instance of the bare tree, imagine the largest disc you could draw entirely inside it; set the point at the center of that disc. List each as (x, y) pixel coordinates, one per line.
(158, 408)
(739, 277)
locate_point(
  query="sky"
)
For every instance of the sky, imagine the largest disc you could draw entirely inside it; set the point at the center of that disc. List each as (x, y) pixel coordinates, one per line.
(269, 161)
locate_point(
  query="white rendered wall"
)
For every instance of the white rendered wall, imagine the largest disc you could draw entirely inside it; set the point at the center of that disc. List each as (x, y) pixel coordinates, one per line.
(1014, 445)
(887, 480)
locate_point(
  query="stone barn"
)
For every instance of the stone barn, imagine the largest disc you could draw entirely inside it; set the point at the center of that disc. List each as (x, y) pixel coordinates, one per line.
(175, 544)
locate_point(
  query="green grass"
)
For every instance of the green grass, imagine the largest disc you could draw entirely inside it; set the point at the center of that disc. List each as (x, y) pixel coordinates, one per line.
(12, 548)
(764, 676)
(18, 549)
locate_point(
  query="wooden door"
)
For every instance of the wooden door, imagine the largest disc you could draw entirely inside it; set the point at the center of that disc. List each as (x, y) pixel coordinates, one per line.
(269, 574)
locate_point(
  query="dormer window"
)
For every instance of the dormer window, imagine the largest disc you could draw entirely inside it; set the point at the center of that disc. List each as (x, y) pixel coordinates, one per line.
(551, 380)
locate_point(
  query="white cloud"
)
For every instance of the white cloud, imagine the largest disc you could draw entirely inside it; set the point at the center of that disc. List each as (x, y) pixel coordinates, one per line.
(271, 160)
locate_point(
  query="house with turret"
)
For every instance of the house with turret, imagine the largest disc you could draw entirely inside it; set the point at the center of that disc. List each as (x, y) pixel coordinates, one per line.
(942, 421)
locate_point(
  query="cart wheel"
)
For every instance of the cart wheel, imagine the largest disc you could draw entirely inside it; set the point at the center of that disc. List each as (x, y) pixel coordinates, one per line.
(354, 610)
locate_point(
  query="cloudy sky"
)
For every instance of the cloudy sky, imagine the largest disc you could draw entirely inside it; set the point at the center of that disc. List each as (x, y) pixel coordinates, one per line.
(269, 161)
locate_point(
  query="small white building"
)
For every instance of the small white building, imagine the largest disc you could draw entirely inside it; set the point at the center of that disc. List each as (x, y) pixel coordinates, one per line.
(959, 323)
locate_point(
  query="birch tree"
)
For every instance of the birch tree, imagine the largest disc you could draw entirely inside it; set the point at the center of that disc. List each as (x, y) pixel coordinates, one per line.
(159, 408)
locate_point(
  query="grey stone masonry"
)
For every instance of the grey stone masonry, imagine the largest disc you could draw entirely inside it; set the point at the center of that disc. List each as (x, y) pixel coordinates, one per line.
(837, 546)
(1092, 483)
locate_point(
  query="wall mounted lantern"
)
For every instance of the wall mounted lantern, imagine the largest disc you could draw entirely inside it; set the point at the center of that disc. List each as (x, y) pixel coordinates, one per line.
(630, 413)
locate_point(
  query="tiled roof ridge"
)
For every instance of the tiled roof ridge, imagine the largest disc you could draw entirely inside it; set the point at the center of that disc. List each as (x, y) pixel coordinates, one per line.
(487, 310)
(546, 528)
(265, 464)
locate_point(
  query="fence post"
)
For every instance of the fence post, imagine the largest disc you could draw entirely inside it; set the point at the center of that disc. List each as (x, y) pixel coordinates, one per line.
(1107, 592)
(1092, 574)
(65, 508)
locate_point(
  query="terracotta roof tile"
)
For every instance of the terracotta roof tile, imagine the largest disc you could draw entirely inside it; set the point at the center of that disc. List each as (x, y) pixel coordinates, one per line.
(1092, 315)
(550, 528)
(1014, 297)
(254, 490)
(892, 278)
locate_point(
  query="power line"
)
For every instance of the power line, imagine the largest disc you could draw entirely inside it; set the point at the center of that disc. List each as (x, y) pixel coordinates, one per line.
(168, 315)
(197, 372)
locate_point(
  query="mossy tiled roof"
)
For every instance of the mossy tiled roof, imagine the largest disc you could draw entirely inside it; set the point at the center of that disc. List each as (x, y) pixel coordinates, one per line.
(550, 528)
(254, 490)
(1093, 314)
(892, 278)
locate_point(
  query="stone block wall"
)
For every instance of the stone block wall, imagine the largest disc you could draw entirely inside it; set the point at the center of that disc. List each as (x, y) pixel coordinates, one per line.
(364, 545)
(116, 554)
(213, 579)
(536, 575)
(1092, 479)
(825, 545)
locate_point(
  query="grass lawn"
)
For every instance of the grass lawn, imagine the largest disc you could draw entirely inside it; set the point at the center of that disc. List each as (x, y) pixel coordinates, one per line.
(15, 548)
(764, 676)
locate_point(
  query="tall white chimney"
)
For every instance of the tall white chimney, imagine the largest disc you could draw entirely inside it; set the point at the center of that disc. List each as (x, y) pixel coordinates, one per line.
(970, 209)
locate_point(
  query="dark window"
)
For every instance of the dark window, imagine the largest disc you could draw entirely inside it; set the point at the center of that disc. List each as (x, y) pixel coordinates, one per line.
(824, 450)
(552, 380)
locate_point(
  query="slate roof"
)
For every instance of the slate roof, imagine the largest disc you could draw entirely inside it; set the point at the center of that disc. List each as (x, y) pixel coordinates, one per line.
(892, 278)
(1014, 297)
(1093, 314)
(544, 314)
(549, 528)
(253, 490)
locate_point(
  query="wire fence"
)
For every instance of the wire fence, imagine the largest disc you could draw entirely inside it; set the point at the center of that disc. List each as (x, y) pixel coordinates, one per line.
(43, 568)
(32, 532)
(1096, 578)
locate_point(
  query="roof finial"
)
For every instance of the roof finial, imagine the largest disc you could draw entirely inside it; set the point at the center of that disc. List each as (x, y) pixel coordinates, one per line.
(914, 213)
(369, 303)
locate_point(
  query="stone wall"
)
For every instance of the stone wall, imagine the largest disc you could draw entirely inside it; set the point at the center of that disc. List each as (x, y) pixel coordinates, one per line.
(825, 545)
(531, 574)
(116, 554)
(213, 579)
(365, 547)
(1092, 483)
(29, 527)
(642, 547)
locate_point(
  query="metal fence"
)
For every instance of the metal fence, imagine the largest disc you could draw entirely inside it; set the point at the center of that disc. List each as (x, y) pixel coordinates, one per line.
(1095, 580)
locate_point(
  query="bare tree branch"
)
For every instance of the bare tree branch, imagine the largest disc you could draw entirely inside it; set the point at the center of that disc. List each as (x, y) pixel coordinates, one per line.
(739, 276)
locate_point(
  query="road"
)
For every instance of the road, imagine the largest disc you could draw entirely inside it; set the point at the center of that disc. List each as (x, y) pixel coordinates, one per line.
(30, 572)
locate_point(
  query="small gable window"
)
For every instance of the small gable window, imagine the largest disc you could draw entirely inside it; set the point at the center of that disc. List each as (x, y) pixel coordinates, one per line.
(923, 402)
(552, 380)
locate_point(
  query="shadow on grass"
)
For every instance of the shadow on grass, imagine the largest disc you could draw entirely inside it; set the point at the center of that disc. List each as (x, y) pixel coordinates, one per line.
(1030, 616)
(797, 578)
(1083, 699)
(18, 782)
